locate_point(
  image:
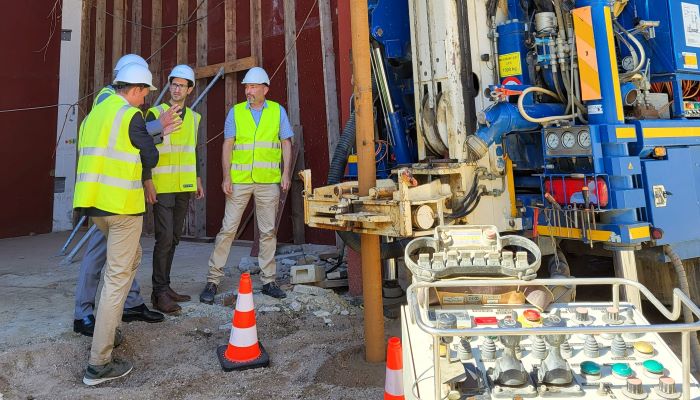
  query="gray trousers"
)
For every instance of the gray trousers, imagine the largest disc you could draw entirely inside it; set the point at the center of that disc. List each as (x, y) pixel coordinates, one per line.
(89, 278)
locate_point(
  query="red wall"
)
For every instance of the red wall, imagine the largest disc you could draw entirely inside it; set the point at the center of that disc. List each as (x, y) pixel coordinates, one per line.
(29, 74)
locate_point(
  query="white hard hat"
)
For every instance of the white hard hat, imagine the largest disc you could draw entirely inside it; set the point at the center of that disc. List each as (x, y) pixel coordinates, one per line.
(129, 59)
(256, 75)
(135, 73)
(182, 71)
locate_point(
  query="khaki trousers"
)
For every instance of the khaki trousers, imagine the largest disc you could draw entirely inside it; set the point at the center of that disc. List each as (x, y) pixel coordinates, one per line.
(266, 197)
(123, 233)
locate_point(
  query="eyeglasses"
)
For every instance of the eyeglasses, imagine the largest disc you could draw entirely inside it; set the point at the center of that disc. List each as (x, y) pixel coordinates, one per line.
(179, 86)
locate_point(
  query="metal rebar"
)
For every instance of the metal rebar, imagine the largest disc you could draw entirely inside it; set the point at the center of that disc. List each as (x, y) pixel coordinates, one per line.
(72, 235)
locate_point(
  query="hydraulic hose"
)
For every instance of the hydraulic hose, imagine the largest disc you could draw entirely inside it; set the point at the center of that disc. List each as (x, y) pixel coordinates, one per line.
(543, 120)
(335, 175)
(685, 287)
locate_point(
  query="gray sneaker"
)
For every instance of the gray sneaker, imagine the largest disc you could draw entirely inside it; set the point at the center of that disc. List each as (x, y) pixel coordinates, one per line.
(96, 374)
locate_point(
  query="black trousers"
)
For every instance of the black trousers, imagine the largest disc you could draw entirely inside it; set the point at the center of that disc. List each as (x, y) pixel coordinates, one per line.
(169, 215)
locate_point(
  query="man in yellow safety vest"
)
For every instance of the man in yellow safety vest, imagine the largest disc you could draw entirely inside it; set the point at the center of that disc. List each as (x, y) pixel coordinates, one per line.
(174, 180)
(257, 138)
(114, 147)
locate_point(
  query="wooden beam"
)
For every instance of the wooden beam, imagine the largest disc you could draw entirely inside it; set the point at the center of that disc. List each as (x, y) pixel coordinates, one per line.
(332, 123)
(197, 216)
(230, 66)
(84, 85)
(137, 17)
(100, 11)
(183, 35)
(256, 31)
(297, 205)
(156, 22)
(230, 44)
(117, 30)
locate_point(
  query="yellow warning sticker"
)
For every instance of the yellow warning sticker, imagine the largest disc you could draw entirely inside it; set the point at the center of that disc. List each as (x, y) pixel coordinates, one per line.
(509, 64)
(690, 60)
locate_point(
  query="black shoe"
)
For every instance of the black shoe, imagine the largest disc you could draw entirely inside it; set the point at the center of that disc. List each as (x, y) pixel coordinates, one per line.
(271, 289)
(208, 293)
(96, 374)
(141, 313)
(85, 326)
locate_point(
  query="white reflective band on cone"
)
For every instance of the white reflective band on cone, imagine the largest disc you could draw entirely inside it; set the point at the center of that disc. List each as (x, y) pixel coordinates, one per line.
(244, 302)
(243, 337)
(394, 382)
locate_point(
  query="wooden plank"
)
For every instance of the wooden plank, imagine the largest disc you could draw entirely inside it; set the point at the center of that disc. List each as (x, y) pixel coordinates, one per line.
(100, 11)
(230, 66)
(117, 30)
(154, 61)
(84, 85)
(290, 34)
(137, 17)
(230, 51)
(256, 31)
(198, 222)
(183, 31)
(332, 124)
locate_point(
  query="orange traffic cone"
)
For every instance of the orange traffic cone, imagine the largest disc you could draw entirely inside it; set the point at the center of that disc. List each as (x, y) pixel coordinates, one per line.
(393, 386)
(243, 351)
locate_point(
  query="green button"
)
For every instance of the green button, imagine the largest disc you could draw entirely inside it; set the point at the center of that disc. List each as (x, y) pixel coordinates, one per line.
(622, 369)
(653, 366)
(590, 368)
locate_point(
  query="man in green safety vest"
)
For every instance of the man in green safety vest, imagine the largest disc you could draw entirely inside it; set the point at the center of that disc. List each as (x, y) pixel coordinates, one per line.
(114, 148)
(257, 138)
(173, 181)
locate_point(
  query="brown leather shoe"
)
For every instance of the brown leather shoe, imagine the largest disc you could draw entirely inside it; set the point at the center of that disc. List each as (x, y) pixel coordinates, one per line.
(177, 296)
(164, 303)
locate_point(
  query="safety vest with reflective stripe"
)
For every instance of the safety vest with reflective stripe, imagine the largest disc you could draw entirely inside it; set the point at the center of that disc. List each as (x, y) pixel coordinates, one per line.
(257, 150)
(177, 161)
(109, 166)
(108, 90)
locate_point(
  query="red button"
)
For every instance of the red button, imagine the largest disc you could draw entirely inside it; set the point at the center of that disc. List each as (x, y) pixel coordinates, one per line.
(532, 315)
(485, 320)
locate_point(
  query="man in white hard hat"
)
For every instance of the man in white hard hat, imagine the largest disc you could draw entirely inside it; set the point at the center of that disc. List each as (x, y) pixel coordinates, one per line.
(257, 138)
(95, 256)
(114, 147)
(174, 180)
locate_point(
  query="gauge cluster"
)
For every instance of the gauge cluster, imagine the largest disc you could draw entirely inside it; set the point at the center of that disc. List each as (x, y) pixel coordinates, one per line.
(568, 141)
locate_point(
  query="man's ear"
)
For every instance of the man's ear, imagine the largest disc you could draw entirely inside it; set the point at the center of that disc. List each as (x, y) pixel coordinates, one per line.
(265, 90)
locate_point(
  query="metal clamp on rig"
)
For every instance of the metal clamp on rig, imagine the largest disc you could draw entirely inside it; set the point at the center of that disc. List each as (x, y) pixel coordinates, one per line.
(472, 250)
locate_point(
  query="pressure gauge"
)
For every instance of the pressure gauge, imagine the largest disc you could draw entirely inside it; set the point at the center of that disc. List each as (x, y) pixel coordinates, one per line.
(552, 141)
(584, 139)
(568, 140)
(628, 63)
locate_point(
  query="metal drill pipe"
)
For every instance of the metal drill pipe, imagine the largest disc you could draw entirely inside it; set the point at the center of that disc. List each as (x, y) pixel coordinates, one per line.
(367, 177)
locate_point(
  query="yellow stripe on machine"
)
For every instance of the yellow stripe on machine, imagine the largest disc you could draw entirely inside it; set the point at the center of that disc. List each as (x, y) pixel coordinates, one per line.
(625, 133)
(657, 133)
(510, 178)
(613, 66)
(640, 232)
(573, 233)
(587, 59)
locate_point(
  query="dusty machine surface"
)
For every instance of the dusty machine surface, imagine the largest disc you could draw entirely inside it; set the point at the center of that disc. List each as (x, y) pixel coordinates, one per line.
(475, 328)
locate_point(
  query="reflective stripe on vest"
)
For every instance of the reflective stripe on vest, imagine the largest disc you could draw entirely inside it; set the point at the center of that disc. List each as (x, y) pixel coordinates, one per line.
(109, 166)
(177, 162)
(257, 150)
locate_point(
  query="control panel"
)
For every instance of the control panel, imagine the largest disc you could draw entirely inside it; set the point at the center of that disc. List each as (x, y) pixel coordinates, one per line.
(691, 109)
(567, 141)
(474, 250)
(622, 366)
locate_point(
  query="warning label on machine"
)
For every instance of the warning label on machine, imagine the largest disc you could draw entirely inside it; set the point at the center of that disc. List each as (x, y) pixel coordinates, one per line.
(691, 24)
(509, 64)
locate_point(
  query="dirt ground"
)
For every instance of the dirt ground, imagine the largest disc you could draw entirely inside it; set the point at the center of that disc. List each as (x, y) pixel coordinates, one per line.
(315, 342)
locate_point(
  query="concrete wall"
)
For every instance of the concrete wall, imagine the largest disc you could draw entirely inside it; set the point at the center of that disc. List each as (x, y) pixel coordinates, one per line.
(67, 121)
